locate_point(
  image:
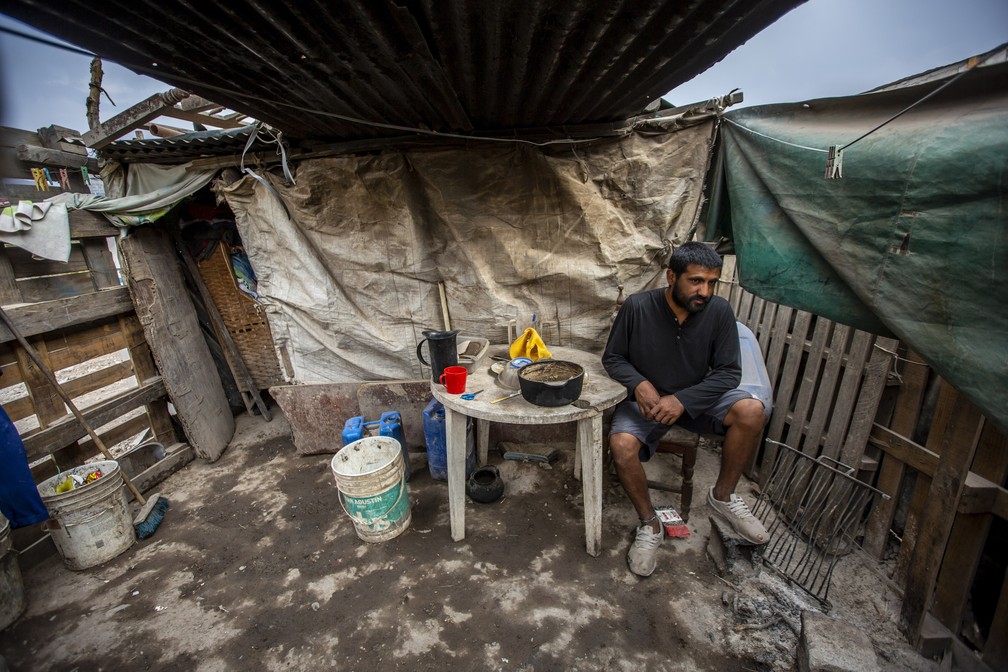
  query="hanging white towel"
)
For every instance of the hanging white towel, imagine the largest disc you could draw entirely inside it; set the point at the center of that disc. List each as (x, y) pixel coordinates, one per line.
(41, 228)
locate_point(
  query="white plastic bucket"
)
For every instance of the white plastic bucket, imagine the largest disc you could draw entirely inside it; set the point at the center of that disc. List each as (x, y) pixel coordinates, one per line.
(372, 488)
(12, 594)
(90, 524)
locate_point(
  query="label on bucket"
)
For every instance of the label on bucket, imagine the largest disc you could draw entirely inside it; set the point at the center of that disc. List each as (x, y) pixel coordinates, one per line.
(381, 511)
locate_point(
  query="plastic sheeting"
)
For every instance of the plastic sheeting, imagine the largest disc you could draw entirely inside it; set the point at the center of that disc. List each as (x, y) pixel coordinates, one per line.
(143, 195)
(350, 281)
(910, 241)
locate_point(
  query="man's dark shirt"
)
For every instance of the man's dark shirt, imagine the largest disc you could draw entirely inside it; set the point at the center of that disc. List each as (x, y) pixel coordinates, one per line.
(697, 362)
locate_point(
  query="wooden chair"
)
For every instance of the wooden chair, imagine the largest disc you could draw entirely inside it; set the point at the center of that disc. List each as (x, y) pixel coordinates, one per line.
(684, 443)
(677, 441)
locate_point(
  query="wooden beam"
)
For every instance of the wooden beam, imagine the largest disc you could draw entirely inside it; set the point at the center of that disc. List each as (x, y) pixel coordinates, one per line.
(959, 444)
(177, 456)
(96, 380)
(38, 318)
(196, 104)
(205, 119)
(908, 403)
(55, 157)
(903, 449)
(135, 117)
(971, 528)
(252, 158)
(172, 330)
(944, 407)
(26, 192)
(62, 138)
(87, 224)
(99, 261)
(979, 494)
(12, 137)
(67, 430)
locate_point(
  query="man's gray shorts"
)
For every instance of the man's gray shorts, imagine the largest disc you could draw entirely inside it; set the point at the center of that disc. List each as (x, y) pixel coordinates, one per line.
(627, 419)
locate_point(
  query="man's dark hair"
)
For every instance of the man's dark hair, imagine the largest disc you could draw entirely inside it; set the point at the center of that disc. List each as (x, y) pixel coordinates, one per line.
(693, 253)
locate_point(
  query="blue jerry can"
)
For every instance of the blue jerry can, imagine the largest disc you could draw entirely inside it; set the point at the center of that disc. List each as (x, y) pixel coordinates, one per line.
(353, 429)
(390, 425)
(435, 437)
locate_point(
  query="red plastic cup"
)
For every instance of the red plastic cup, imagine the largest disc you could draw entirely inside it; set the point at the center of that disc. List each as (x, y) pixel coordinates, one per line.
(453, 379)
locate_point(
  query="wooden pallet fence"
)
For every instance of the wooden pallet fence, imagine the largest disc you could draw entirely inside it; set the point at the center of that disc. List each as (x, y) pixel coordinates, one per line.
(88, 335)
(827, 377)
(959, 476)
(828, 382)
(82, 322)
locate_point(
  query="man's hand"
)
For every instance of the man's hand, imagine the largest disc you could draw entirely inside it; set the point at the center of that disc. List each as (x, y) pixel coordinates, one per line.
(647, 397)
(653, 406)
(667, 410)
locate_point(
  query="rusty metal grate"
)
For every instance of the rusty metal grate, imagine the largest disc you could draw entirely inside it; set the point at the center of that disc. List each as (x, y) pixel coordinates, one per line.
(814, 509)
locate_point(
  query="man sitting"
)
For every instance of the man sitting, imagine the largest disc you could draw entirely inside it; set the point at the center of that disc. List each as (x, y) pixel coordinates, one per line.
(677, 351)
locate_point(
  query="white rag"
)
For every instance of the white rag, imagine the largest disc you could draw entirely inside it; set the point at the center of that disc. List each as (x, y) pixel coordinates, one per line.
(41, 228)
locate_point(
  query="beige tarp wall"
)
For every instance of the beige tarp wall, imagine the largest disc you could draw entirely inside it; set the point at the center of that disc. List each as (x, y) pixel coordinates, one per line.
(351, 278)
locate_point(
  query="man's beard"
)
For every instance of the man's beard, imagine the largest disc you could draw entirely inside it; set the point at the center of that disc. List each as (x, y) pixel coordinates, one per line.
(693, 304)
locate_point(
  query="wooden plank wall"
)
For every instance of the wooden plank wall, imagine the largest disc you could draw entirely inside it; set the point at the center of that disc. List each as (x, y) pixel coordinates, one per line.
(929, 448)
(949, 465)
(827, 378)
(81, 320)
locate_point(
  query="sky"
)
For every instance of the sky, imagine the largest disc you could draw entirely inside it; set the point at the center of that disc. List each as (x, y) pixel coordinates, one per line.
(823, 48)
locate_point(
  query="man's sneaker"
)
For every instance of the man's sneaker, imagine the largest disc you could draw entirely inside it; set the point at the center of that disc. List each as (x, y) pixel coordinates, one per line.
(644, 550)
(737, 514)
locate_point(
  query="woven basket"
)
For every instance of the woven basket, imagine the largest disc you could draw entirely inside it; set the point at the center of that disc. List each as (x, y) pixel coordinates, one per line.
(244, 318)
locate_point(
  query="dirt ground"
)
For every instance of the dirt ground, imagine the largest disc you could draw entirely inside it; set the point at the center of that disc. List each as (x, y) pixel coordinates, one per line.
(257, 567)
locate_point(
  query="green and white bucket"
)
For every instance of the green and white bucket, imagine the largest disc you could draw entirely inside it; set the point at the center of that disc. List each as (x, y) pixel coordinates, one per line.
(370, 477)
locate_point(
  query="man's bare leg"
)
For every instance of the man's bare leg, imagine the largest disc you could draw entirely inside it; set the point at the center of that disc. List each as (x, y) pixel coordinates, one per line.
(630, 471)
(743, 424)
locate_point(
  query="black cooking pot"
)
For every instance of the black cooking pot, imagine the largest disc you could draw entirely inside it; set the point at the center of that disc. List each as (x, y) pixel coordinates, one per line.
(485, 485)
(551, 382)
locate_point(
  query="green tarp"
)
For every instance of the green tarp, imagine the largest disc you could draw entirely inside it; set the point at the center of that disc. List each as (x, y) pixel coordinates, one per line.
(911, 241)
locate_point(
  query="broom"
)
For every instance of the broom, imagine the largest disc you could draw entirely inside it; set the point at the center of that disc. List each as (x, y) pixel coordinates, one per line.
(153, 508)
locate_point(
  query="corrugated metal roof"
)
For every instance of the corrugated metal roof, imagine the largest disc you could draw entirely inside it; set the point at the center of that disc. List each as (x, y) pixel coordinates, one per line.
(181, 148)
(463, 66)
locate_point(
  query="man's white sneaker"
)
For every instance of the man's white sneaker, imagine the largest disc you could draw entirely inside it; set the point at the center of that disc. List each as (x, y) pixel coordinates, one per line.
(737, 514)
(643, 551)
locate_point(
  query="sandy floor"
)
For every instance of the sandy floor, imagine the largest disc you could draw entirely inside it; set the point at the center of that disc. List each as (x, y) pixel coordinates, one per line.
(256, 567)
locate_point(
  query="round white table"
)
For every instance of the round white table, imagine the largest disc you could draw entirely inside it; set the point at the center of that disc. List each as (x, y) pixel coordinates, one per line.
(599, 393)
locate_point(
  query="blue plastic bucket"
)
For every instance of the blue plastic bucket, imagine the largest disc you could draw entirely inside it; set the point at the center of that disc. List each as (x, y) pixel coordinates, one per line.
(372, 487)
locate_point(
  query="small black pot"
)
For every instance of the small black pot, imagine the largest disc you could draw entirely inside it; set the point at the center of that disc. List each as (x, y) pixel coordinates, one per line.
(551, 382)
(485, 485)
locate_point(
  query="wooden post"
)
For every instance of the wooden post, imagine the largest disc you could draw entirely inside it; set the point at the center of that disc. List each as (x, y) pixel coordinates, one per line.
(239, 370)
(908, 403)
(173, 332)
(939, 425)
(969, 535)
(959, 445)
